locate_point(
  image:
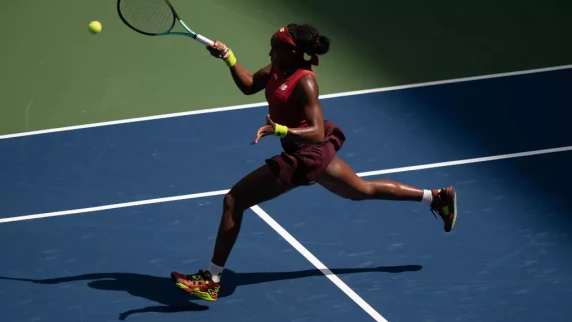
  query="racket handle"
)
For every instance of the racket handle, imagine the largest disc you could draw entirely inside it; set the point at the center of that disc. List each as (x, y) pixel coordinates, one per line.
(203, 40)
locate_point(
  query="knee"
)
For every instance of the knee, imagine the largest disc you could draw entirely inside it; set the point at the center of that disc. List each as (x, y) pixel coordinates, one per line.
(228, 202)
(232, 203)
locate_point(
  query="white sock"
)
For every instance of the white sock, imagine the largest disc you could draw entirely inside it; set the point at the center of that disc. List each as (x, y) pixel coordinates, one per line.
(427, 196)
(216, 272)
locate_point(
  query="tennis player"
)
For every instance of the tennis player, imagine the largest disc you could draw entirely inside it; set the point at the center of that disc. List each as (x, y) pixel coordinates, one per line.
(309, 146)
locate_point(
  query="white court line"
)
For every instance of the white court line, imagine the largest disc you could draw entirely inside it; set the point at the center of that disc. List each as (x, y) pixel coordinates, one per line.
(245, 106)
(466, 161)
(222, 192)
(114, 206)
(316, 262)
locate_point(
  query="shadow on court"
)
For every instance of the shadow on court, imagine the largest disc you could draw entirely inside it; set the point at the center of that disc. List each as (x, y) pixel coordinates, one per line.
(162, 290)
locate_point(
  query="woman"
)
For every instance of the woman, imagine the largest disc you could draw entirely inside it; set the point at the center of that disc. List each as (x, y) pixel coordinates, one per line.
(309, 142)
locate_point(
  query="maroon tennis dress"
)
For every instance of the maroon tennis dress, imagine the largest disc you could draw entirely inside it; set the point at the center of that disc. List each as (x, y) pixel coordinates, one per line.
(299, 163)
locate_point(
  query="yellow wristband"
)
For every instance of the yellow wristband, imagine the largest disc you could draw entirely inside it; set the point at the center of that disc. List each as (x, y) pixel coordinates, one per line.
(280, 131)
(230, 60)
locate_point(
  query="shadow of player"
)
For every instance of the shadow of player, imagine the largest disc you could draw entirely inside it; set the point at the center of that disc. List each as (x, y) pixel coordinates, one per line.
(162, 289)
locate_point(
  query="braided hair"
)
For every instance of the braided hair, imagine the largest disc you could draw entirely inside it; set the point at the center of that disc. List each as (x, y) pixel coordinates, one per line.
(308, 39)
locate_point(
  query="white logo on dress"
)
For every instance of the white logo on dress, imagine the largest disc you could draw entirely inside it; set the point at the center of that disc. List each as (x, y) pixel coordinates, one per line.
(283, 87)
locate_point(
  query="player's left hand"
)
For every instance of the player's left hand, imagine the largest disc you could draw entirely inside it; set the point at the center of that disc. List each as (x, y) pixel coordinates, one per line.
(266, 129)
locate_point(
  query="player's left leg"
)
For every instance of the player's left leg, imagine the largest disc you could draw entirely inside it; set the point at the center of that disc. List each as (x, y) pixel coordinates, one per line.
(343, 181)
(256, 187)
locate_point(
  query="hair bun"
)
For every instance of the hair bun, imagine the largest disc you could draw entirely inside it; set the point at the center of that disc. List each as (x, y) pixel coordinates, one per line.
(323, 45)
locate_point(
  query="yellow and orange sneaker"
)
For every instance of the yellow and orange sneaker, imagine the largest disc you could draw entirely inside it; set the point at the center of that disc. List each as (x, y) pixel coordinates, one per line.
(200, 284)
(445, 204)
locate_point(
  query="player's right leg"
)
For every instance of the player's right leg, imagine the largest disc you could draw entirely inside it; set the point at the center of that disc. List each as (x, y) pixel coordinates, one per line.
(259, 186)
(343, 181)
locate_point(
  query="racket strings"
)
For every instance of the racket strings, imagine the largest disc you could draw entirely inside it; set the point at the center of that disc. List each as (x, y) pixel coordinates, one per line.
(148, 16)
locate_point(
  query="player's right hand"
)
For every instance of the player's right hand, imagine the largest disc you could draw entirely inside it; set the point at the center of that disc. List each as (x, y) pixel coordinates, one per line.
(218, 50)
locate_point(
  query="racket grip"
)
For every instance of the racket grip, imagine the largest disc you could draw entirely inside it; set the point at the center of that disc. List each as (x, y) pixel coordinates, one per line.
(203, 40)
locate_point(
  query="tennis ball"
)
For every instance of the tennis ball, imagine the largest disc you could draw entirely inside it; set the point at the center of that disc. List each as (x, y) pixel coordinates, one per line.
(95, 27)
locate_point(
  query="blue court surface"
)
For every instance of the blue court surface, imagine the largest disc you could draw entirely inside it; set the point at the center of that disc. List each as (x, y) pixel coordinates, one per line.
(157, 186)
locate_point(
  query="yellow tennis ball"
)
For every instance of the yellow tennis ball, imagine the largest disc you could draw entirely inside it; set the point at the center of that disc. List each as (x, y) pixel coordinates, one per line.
(95, 27)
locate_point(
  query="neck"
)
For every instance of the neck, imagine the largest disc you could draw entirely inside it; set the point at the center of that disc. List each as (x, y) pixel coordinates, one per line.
(292, 69)
(289, 71)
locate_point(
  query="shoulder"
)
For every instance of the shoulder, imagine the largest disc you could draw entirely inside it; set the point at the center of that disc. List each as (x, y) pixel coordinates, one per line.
(265, 71)
(307, 86)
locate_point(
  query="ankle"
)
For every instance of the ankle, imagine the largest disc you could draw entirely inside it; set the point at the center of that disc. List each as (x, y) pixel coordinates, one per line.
(216, 271)
(428, 196)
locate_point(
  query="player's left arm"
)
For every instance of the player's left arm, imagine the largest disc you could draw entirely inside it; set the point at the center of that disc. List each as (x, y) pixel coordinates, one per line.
(306, 93)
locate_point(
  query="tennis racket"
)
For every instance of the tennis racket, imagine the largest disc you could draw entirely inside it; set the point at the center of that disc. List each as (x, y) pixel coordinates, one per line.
(154, 18)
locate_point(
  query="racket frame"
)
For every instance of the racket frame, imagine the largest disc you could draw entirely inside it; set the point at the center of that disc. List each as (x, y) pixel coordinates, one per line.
(190, 33)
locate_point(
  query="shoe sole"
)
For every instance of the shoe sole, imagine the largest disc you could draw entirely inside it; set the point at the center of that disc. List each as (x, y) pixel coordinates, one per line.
(454, 193)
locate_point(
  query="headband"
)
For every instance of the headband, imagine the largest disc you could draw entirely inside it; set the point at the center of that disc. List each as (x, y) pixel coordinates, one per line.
(285, 36)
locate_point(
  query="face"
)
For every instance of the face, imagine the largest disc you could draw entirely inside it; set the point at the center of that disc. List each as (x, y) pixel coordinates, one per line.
(281, 54)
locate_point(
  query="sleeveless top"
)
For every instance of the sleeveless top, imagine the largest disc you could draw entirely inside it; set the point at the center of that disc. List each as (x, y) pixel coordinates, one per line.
(283, 108)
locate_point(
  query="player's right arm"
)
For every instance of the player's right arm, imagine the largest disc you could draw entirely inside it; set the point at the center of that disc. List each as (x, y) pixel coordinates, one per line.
(248, 83)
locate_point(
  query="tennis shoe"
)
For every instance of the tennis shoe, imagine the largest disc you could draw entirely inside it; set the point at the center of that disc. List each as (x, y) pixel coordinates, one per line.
(200, 284)
(445, 205)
